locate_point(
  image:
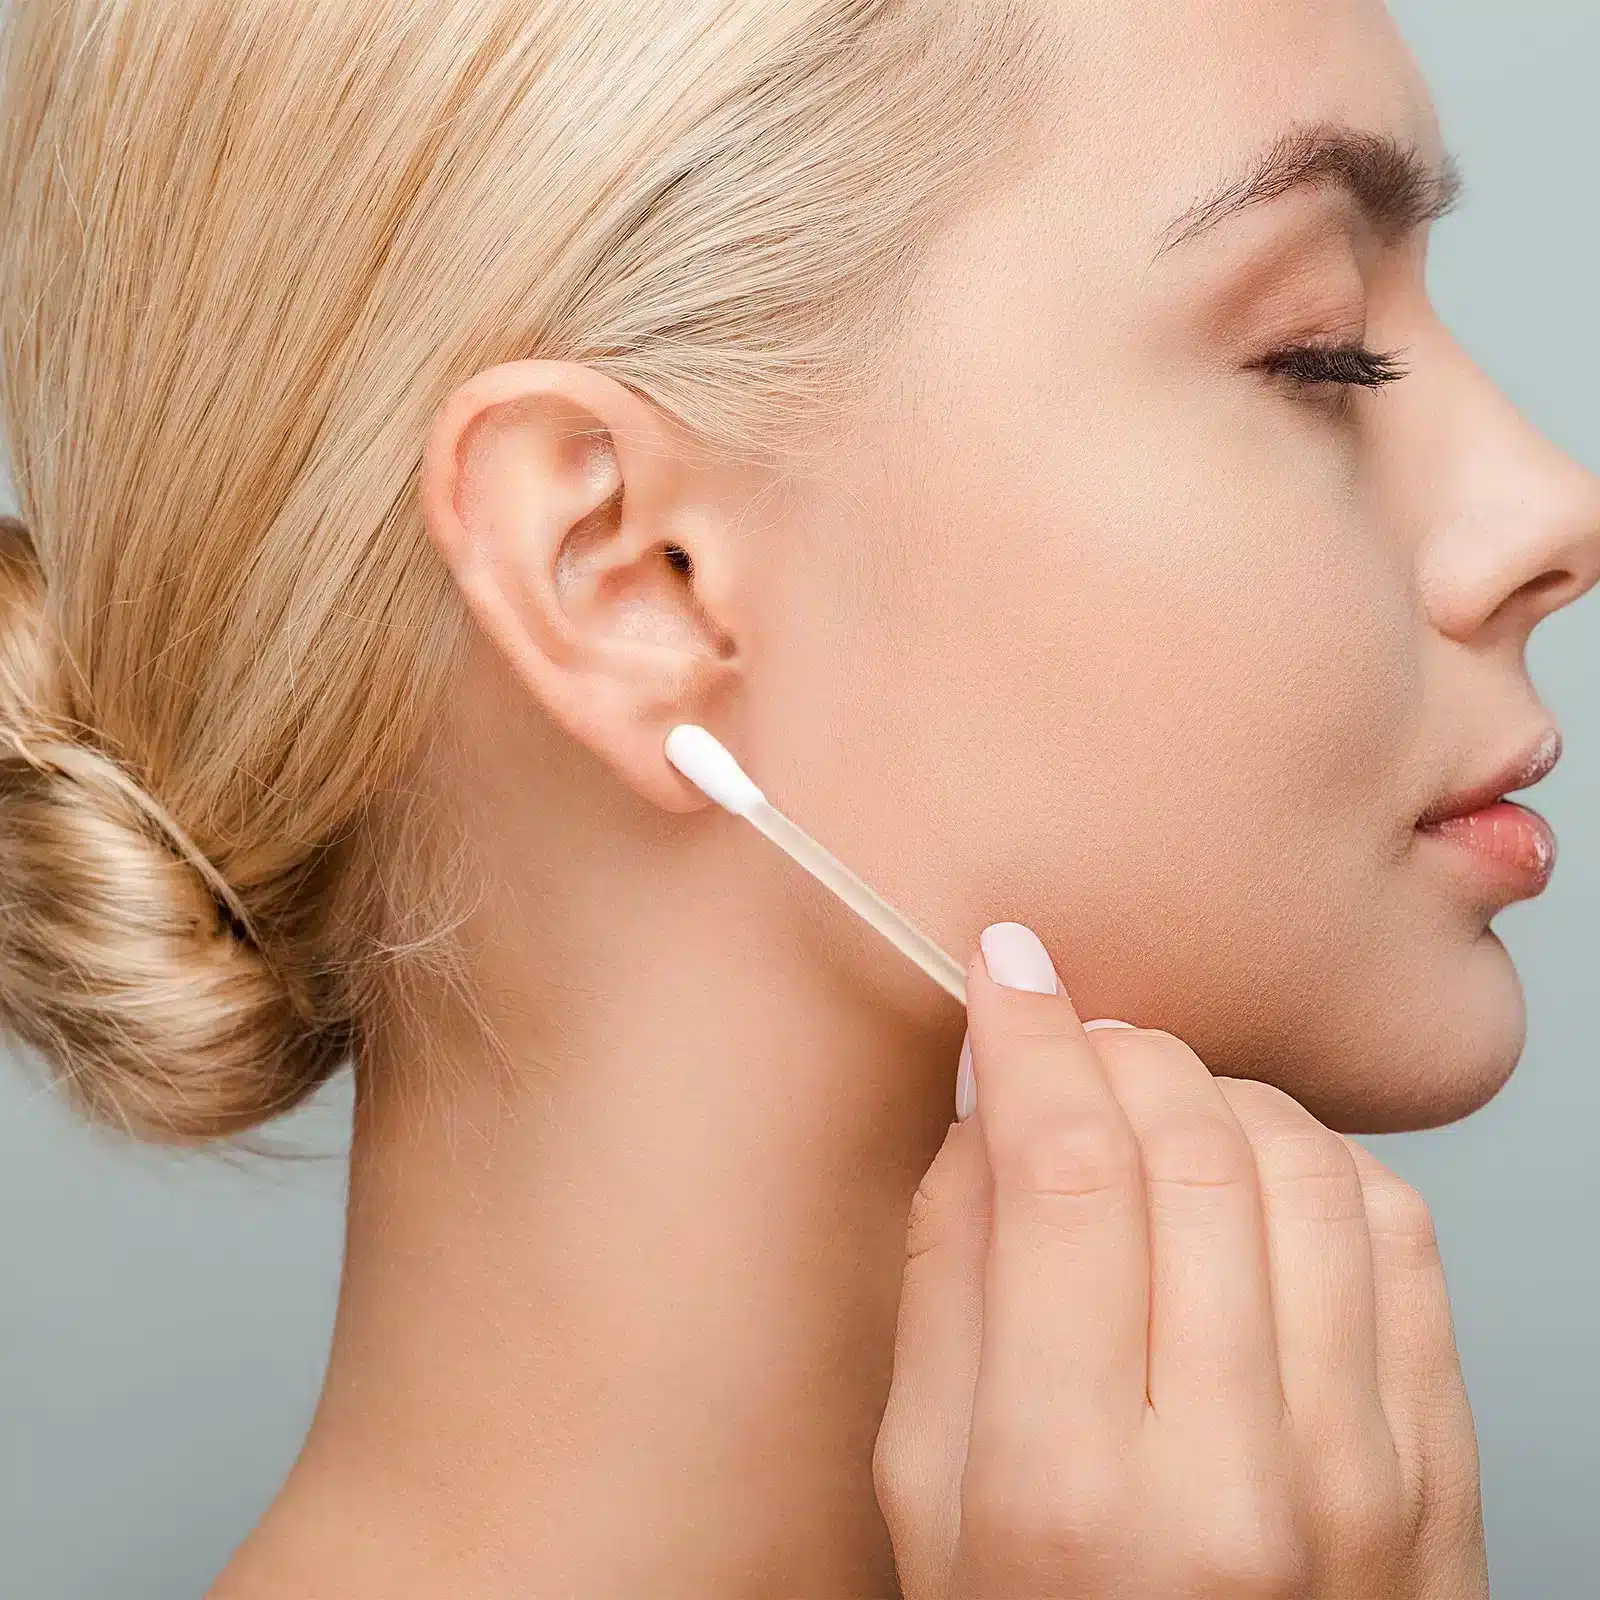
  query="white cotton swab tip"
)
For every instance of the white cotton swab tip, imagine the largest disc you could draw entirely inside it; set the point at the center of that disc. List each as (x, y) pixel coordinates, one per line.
(709, 767)
(713, 771)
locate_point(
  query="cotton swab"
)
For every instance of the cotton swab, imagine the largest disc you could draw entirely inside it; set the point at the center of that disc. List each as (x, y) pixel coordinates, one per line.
(711, 769)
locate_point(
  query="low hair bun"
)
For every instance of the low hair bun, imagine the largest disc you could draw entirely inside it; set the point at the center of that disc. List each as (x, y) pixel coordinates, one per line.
(126, 960)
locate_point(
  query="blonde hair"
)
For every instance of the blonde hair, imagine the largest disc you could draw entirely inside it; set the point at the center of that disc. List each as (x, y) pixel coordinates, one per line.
(247, 250)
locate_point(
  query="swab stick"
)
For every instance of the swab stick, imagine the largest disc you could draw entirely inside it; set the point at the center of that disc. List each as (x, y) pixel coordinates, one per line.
(713, 771)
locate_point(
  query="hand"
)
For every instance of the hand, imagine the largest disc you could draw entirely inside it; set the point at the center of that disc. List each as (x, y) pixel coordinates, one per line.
(1164, 1335)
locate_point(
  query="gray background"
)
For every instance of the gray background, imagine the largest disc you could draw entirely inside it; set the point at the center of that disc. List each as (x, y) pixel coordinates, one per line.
(163, 1320)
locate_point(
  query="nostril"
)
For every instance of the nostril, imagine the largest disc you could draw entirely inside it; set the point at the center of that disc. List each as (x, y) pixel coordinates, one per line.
(1541, 596)
(1550, 589)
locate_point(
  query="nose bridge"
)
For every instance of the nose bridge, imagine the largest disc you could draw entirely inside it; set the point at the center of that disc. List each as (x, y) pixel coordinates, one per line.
(1519, 529)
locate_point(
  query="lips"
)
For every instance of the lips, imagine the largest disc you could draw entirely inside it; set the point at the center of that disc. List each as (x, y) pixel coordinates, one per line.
(1511, 842)
(1534, 765)
(1509, 850)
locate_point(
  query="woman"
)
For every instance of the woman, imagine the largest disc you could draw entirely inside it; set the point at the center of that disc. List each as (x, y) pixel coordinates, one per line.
(1020, 431)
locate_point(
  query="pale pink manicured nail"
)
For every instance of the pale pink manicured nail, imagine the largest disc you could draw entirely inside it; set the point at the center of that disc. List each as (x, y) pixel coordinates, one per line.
(966, 1084)
(1104, 1022)
(1016, 959)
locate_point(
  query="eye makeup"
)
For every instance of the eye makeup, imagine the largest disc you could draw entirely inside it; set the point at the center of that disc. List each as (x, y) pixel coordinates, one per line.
(1287, 297)
(1347, 365)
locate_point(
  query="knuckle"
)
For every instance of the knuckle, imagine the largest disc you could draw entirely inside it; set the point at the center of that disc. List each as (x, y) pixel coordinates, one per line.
(1398, 1214)
(1137, 1043)
(1147, 1050)
(927, 1219)
(901, 1478)
(1362, 1506)
(1010, 1503)
(1307, 1155)
(1070, 1155)
(1253, 1571)
(1196, 1149)
(1255, 1103)
(952, 1197)
(1306, 1167)
(1454, 1494)
(1255, 1549)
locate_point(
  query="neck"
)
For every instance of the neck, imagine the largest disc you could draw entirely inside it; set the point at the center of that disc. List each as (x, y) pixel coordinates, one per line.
(618, 1313)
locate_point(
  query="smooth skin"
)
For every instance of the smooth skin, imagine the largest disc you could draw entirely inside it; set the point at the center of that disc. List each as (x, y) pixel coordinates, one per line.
(1087, 616)
(1165, 1334)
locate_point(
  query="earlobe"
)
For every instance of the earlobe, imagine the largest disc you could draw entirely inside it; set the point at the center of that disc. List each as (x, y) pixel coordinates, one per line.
(580, 530)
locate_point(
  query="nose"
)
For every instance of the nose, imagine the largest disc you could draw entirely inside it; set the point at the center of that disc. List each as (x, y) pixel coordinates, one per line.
(1515, 520)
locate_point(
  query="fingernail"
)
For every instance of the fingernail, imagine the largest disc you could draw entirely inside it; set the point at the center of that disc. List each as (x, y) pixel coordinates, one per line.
(966, 1084)
(1104, 1022)
(1016, 959)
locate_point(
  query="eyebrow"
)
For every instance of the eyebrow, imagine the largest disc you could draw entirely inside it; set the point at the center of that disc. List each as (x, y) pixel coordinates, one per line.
(1396, 187)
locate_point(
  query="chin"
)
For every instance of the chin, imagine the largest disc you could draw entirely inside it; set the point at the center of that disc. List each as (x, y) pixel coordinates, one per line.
(1427, 1045)
(1446, 1055)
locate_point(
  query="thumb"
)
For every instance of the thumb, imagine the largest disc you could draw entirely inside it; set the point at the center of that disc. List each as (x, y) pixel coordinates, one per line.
(922, 1445)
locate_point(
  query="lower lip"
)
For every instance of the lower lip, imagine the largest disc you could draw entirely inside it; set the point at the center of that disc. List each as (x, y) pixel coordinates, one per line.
(1512, 845)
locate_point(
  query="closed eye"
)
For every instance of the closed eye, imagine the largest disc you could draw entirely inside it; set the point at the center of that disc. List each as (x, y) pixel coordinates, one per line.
(1349, 366)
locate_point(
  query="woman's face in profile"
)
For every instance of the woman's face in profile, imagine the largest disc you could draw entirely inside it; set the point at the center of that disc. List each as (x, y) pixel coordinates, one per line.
(1157, 616)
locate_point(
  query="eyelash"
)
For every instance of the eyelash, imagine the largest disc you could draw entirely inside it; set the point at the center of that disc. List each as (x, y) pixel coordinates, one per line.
(1347, 366)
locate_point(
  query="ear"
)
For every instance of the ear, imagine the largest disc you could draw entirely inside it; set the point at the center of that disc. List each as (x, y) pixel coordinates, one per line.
(593, 546)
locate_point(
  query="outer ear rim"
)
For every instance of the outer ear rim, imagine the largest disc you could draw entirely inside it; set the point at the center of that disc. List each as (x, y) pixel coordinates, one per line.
(507, 383)
(638, 431)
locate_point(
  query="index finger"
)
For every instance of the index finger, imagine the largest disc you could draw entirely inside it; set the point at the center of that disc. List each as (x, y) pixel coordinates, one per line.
(1067, 1283)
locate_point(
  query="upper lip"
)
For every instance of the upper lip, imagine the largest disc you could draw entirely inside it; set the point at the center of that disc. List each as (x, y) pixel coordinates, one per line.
(1523, 771)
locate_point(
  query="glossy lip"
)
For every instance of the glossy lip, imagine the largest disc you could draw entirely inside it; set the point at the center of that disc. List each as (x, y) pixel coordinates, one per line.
(1533, 766)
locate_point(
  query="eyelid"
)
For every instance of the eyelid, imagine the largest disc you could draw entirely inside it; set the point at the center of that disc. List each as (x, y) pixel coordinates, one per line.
(1351, 362)
(1275, 284)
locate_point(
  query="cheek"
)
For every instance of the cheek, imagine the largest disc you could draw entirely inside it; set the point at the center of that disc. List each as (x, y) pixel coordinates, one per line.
(1148, 690)
(1154, 650)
